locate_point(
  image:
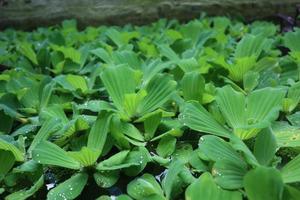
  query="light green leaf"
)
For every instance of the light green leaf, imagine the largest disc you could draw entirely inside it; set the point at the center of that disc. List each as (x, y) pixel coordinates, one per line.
(151, 123)
(166, 146)
(265, 146)
(69, 189)
(248, 115)
(68, 52)
(144, 186)
(217, 149)
(205, 188)
(292, 41)
(27, 51)
(250, 80)
(48, 127)
(169, 180)
(159, 90)
(290, 172)
(98, 134)
(118, 81)
(85, 156)
(131, 103)
(196, 117)
(106, 179)
(286, 135)
(73, 82)
(192, 85)
(114, 162)
(229, 174)
(7, 146)
(263, 183)
(50, 154)
(250, 45)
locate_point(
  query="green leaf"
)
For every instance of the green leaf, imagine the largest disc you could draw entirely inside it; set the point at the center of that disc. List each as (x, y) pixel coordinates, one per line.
(217, 149)
(144, 186)
(205, 188)
(248, 115)
(106, 179)
(27, 51)
(50, 154)
(250, 45)
(7, 146)
(25, 194)
(86, 156)
(290, 193)
(263, 183)
(46, 94)
(196, 117)
(290, 172)
(68, 52)
(265, 146)
(286, 135)
(48, 127)
(131, 103)
(229, 174)
(196, 162)
(118, 81)
(69, 189)
(169, 180)
(7, 161)
(151, 123)
(116, 161)
(292, 41)
(98, 134)
(73, 82)
(250, 80)
(159, 90)
(138, 155)
(102, 54)
(166, 146)
(192, 85)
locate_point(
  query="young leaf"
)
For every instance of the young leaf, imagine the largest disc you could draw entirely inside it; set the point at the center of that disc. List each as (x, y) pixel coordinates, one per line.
(85, 156)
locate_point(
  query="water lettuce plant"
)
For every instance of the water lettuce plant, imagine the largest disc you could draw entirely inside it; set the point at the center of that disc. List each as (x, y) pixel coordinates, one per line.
(208, 109)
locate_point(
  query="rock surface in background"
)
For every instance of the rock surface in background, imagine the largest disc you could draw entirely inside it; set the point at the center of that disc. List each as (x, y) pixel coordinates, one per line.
(32, 13)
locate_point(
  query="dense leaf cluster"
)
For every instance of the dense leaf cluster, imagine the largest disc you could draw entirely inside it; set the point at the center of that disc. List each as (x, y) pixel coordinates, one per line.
(203, 110)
